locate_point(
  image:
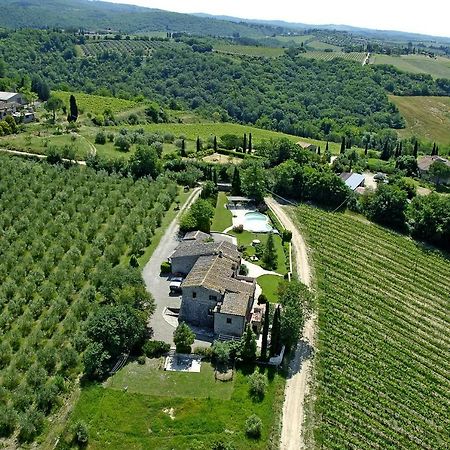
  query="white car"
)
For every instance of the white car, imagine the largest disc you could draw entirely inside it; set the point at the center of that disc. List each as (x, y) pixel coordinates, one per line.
(175, 285)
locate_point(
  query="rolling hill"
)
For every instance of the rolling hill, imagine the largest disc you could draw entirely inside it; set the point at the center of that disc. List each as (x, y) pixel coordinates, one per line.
(95, 15)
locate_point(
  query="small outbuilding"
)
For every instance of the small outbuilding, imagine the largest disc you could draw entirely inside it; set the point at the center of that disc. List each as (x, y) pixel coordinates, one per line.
(353, 180)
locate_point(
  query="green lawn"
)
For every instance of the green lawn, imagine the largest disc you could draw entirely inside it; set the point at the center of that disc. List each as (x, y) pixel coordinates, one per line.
(246, 238)
(269, 285)
(222, 216)
(124, 420)
(140, 379)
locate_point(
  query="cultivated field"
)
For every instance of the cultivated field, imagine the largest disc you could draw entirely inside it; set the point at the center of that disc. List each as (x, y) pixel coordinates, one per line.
(296, 39)
(383, 359)
(328, 56)
(319, 45)
(96, 104)
(438, 67)
(62, 232)
(426, 117)
(249, 50)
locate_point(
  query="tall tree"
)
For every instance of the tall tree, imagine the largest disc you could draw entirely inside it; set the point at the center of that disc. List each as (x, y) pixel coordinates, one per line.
(270, 255)
(198, 143)
(73, 107)
(236, 182)
(433, 150)
(183, 148)
(343, 145)
(248, 340)
(275, 336)
(366, 149)
(265, 332)
(215, 144)
(244, 143)
(53, 105)
(318, 150)
(416, 149)
(250, 148)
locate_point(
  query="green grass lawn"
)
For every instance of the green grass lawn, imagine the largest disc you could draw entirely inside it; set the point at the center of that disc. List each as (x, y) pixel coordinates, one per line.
(269, 285)
(124, 420)
(140, 380)
(222, 216)
(246, 238)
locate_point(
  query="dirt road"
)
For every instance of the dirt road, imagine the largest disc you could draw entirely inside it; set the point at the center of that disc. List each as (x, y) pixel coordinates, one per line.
(300, 366)
(36, 155)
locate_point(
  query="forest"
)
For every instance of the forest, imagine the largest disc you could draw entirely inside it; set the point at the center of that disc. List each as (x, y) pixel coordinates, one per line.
(318, 99)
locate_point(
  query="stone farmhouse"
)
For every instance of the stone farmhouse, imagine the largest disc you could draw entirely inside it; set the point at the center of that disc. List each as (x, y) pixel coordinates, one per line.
(214, 296)
(13, 104)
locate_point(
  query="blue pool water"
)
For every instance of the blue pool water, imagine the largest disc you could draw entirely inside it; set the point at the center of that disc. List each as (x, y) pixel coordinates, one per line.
(257, 223)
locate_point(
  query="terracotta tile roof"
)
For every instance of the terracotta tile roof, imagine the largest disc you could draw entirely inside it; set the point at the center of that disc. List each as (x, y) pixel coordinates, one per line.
(425, 162)
(198, 248)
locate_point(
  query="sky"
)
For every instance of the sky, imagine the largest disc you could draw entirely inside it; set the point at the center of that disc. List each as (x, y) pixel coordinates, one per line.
(426, 17)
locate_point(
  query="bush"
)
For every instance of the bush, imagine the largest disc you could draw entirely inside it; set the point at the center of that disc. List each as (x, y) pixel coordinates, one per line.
(243, 270)
(253, 426)
(166, 267)
(238, 228)
(155, 349)
(262, 299)
(286, 236)
(81, 433)
(122, 143)
(258, 385)
(141, 360)
(100, 138)
(221, 352)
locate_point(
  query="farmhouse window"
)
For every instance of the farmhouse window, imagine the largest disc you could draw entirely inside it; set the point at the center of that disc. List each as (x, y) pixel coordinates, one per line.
(228, 319)
(194, 295)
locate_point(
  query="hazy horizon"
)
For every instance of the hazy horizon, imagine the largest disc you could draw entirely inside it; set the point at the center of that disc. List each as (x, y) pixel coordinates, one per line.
(386, 15)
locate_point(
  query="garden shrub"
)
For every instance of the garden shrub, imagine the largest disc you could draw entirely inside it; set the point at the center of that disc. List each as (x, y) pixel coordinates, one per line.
(253, 426)
(258, 385)
(155, 349)
(166, 267)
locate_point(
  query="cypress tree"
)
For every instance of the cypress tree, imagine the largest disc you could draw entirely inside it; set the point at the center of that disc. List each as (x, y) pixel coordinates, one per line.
(250, 148)
(244, 144)
(436, 152)
(400, 149)
(416, 149)
(198, 144)
(270, 255)
(318, 150)
(343, 145)
(248, 345)
(433, 151)
(73, 114)
(215, 143)
(183, 148)
(236, 182)
(215, 176)
(265, 332)
(275, 336)
(327, 148)
(366, 149)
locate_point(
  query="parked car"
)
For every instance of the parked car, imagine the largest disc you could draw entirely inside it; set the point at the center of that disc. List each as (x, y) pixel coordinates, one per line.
(175, 285)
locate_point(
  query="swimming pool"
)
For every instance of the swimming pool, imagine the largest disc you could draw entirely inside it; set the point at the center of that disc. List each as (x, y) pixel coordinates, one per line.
(257, 222)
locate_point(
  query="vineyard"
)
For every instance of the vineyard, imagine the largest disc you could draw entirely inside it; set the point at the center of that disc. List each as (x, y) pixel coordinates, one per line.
(132, 46)
(383, 356)
(96, 104)
(329, 56)
(66, 240)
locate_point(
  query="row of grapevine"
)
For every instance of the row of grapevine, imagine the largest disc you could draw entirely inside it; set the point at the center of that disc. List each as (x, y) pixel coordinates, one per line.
(383, 358)
(329, 56)
(63, 234)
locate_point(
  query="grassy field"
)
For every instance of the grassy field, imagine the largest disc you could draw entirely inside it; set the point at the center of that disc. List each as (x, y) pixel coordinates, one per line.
(95, 104)
(384, 335)
(139, 379)
(438, 67)
(249, 50)
(222, 216)
(125, 420)
(269, 285)
(426, 117)
(296, 39)
(319, 45)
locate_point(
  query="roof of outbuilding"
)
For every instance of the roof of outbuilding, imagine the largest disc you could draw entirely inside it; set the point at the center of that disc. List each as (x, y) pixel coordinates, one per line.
(425, 162)
(353, 181)
(196, 235)
(234, 303)
(304, 144)
(4, 96)
(198, 248)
